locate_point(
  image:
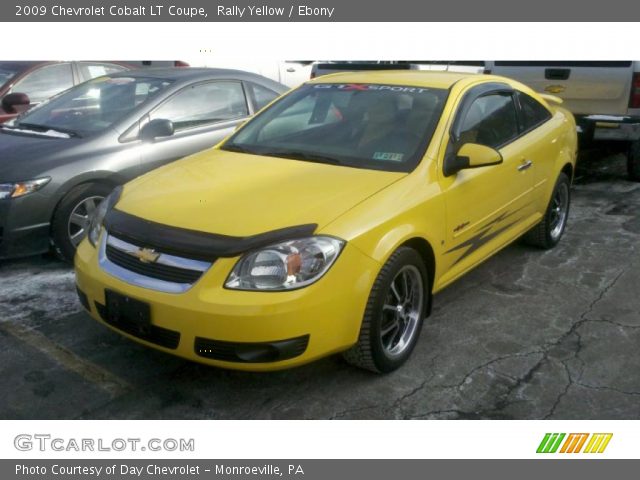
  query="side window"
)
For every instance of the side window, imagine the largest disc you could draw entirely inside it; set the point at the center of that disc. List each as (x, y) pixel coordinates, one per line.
(533, 113)
(45, 82)
(90, 70)
(261, 95)
(203, 104)
(491, 120)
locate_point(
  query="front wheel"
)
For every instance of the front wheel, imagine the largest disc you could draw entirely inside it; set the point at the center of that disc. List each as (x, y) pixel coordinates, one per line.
(548, 232)
(394, 314)
(71, 219)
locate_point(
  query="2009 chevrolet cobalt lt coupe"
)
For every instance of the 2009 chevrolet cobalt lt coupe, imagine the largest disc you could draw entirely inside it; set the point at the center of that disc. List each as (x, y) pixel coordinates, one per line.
(326, 222)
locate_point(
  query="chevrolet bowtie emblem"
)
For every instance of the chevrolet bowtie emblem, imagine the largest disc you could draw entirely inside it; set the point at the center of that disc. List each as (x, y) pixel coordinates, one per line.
(555, 88)
(146, 255)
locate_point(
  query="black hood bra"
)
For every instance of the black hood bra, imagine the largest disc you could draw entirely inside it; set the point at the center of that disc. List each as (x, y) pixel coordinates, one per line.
(192, 243)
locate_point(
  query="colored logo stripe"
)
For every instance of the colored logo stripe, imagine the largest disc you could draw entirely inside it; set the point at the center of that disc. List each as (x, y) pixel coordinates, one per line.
(597, 442)
(550, 443)
(574, 443)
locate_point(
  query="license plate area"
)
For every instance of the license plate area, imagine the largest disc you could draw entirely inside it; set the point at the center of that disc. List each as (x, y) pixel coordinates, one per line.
(123, 310)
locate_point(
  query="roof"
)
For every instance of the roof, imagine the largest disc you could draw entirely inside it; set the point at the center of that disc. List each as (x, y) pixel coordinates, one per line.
(18, 65)
(179, 73)
(414, 78)
(190, 74)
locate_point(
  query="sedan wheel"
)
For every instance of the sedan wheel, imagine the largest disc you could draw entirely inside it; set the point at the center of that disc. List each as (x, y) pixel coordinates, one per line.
(80, 219)
(70, 222)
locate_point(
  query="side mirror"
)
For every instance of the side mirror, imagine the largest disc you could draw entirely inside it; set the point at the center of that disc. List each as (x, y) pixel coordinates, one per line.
(16, 102)
(160, 127)
(471, 155)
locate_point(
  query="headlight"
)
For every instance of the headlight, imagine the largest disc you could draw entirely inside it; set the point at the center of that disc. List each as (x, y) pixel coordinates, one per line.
(286, 265)
(95, 226)
(18, 189)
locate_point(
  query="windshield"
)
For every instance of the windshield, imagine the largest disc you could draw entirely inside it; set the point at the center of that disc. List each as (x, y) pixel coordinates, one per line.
(383, 127)
(92, 106)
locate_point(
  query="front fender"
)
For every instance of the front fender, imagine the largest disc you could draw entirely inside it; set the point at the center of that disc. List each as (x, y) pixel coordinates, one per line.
(407, 210)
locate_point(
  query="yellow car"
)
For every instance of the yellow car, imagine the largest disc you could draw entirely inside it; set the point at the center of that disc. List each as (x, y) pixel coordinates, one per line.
(326, 223)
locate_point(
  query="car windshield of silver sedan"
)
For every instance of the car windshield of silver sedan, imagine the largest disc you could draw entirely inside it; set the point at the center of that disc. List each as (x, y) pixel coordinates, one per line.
(6, 73)
(382, 127)
(90, 107)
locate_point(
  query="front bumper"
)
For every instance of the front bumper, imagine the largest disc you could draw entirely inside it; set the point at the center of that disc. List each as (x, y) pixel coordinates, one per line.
(22, 231)
(239, 329)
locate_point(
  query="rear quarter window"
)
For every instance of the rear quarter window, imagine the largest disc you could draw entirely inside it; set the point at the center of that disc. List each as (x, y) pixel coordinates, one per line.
(533, 113)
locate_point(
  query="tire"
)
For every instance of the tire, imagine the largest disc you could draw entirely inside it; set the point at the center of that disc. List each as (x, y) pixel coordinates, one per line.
(79, 201)
(548, 232)
(633, 161)
(383, 352)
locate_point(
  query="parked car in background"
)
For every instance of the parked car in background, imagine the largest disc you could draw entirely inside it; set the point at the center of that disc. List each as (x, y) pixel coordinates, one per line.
(320, 68)
(60, 159)
(326, 222)
(157, 63)
(324, 68)
(28, 83)
(288, 72)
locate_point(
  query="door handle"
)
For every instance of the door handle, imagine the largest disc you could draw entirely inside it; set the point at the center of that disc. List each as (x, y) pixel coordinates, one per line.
(526, 164)
(291, 69)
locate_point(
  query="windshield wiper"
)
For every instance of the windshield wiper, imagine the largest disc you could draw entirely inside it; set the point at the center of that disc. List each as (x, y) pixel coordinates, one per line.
(300, 155)
(239, 149)
(284, 153)
(44, 128)
(305, 156)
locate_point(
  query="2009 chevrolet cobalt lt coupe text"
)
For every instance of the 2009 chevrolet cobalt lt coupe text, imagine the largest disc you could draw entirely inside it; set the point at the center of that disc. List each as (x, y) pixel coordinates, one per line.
(326, 222)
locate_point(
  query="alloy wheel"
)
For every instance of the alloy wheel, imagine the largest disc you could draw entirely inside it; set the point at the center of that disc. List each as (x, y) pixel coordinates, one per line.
(401, 311)
(80, 218)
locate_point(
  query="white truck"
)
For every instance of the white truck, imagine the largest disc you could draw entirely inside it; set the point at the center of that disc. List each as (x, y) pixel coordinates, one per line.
(604, 96)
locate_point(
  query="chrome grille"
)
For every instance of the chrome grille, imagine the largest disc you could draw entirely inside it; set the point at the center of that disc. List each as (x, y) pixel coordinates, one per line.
(163, 272)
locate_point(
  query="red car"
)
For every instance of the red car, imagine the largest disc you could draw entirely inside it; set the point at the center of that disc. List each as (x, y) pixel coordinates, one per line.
(24, 84)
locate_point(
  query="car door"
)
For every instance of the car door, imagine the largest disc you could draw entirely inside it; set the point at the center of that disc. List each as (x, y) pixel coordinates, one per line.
(202, 115)
(45, 82)
(485, 206)
(541, 147)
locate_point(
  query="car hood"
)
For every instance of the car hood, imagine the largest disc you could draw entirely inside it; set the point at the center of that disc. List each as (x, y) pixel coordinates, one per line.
(23, 157)
(239, 194)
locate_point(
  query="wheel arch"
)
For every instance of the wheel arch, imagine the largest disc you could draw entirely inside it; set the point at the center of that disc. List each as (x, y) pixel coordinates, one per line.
(424, 249)
(98, 177)
(568, 170)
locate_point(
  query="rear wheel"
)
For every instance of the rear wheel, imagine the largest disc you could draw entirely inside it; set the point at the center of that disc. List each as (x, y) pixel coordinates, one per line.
(71, 219)
(548, 232)
(633, 161)
(394, 314)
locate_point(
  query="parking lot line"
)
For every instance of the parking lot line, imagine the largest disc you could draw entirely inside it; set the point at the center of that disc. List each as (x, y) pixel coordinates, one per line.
(100, 377)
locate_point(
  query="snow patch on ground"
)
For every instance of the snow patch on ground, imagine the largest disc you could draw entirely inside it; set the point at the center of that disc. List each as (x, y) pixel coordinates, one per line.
(37, 289)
